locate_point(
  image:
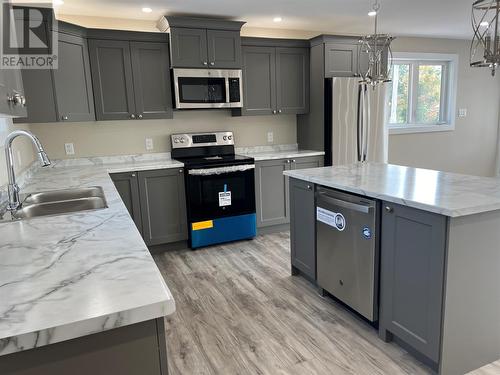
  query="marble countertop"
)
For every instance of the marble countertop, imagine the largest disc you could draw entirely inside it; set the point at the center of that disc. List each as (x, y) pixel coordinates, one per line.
(68, 276)
(449, 194)
(280, 154)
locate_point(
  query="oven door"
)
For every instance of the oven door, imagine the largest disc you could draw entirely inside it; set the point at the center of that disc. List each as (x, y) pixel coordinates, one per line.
(219, 192)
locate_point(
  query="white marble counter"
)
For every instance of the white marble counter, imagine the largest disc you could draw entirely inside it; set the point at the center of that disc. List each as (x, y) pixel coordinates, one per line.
(272, 155)
(449, 194)
(68, 276)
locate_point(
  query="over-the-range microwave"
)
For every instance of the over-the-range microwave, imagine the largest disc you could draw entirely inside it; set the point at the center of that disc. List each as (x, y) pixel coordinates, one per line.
(207, 88)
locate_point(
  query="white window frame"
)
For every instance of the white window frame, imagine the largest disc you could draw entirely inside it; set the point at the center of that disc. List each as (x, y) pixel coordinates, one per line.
(448, 98)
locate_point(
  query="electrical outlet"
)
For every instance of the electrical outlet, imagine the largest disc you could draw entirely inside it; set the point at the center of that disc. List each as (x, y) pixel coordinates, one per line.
(69, 148)
(270, 137)
(149, 144)
(462, 112)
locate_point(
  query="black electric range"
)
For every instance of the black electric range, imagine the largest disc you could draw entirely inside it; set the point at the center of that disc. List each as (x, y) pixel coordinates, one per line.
(220, 188)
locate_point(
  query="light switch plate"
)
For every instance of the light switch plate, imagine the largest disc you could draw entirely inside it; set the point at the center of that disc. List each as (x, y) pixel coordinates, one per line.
(462, 112)
(149, 144)
(69, 148)
(270, 137)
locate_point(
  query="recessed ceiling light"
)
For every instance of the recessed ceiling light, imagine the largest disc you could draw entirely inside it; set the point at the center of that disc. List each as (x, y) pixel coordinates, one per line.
(277, 19)
(484, 24)
(372, 13)
(58, 2)
(147, 10)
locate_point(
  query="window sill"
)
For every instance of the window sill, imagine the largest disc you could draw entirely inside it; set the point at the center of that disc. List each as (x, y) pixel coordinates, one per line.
(409, 129)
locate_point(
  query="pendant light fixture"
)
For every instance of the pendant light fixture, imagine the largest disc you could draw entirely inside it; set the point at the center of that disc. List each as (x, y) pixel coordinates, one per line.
(485, 46)
(378, 48)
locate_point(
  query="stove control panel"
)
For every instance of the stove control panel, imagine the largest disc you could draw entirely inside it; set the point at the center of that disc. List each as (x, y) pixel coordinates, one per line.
(189, 140)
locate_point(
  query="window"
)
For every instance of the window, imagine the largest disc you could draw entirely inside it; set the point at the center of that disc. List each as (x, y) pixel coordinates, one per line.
(422, 94)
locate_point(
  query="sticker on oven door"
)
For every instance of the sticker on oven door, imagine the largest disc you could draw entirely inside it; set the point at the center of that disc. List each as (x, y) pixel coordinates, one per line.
(333, 219)
(224, 198)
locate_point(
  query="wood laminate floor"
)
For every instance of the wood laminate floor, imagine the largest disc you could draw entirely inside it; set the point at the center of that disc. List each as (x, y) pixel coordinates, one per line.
(239, 311)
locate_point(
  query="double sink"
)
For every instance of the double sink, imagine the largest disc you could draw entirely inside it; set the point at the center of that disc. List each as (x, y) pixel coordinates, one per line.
(59, 202)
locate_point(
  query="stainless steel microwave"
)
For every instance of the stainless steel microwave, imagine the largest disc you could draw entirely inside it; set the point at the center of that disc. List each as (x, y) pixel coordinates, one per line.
(207, 88)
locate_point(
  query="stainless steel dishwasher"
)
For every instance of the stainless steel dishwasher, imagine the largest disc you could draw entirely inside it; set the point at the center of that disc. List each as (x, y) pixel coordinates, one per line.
(347, 249)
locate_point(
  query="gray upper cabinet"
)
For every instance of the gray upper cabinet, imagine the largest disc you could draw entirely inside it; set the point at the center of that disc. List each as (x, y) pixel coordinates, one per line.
(203, 42)
(413, 248)
(188, 47)
(40, 96)
(341, 60)
(127, 185)
(292, 80)
(112, 79)
(72, 80)
(163, 206)
(153, 95)
(275, 80)
(271, 192)
(131, 79)
(259, 80)
(224, 49)
(303, 227)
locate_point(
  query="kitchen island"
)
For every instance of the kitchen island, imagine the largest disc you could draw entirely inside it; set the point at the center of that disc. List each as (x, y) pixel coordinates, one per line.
(80, 293)
(439, 238)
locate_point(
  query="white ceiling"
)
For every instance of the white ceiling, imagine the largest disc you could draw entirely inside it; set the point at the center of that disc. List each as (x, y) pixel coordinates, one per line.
(433, 18)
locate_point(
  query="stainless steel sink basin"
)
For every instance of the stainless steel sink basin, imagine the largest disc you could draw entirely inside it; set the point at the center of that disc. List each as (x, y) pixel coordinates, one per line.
(58, 208)
(59, 202)
(63, 195)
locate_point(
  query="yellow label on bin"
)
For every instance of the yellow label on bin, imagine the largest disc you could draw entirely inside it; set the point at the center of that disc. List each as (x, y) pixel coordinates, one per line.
(203, 225)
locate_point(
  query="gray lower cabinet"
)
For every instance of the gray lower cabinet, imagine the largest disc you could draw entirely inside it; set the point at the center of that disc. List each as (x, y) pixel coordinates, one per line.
(127, 185)
(413, 250)
(303, 228)
(131, 79)
(135, 349)
(163, 206)
(276, 80)
(271, 188)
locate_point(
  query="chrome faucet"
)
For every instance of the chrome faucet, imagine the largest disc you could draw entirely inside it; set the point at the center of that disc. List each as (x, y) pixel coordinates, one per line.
(14, 201)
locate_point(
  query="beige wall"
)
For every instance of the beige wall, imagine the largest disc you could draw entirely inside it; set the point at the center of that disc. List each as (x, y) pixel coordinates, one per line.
(23, 149)
(128, 137)
(471, 147)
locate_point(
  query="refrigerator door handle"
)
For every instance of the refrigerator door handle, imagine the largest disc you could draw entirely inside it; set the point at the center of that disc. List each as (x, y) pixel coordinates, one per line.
(367, 124)
(359, 128)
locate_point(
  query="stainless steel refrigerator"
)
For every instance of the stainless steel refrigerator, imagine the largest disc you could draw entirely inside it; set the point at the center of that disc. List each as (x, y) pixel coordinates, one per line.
(355, 128)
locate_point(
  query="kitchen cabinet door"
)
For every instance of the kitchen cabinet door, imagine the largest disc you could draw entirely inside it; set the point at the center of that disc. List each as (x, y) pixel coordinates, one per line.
(163, 206)
(150, 69)
(271, 192)
(413, 248)
(224, 49)
(341, 60)
(259, 80)
(72, 80)
(307, 162)
(188, 47)
(112, 79)
(127, 185)
(303, 228)
(292, 80)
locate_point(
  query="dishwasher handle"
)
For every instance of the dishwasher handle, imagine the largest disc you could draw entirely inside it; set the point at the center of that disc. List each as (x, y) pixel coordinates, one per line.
(341, 203)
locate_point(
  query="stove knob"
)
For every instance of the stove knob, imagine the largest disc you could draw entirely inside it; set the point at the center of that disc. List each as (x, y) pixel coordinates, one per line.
(230, 137)
(224, 138)
(176, 140)
(182, 140)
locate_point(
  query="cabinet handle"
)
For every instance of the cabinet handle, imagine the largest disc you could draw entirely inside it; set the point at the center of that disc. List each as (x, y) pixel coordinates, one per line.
(65, 118)
(181, 170)
(279, 111)
(389, 209)
(309, 187)
(132, 116)
(132, 175)
(205, 63)
(212, 63)
(274, 112)
(140, 117)
(288, 161)
(293, 160)
(17, 99)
